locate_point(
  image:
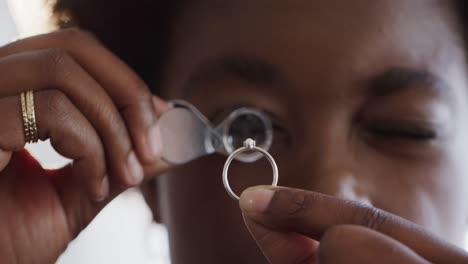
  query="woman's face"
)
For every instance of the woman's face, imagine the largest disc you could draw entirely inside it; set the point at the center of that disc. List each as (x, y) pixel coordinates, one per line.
(368, 98)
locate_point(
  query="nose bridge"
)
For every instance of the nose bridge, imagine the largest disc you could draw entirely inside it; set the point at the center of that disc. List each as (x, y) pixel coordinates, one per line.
(326, 162)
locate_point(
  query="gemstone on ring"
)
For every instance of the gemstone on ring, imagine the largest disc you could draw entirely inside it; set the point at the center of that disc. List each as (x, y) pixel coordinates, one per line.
(249, 145)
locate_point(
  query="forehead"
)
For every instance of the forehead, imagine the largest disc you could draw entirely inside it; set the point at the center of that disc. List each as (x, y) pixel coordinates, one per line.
(351, 39)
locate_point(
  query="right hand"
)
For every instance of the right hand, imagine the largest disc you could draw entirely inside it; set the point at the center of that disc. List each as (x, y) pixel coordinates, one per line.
(96, 111)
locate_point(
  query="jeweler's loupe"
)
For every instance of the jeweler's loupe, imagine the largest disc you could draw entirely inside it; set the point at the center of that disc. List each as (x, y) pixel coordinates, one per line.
(187, 134)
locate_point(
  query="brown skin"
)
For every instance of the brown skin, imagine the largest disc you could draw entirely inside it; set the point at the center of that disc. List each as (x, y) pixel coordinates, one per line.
(369, 99)
(336, 136)
(42, 210)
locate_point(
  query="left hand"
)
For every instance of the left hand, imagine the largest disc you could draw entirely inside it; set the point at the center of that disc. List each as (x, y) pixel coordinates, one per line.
(297, 226)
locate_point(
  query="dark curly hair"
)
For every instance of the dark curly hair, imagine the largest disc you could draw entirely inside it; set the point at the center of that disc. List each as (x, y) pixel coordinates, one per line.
(129, 27)
(125, 27)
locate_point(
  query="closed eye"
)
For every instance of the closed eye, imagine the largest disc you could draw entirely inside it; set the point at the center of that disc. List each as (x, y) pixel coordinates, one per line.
(407, 133)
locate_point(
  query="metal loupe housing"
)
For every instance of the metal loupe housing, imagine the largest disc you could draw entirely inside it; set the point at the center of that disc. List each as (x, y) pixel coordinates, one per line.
(187, 134)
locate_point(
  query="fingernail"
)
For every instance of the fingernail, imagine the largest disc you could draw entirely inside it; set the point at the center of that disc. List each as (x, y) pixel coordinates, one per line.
(256, 199)
(160, 106)
(154, 142)
(135, 171)
(103, 189)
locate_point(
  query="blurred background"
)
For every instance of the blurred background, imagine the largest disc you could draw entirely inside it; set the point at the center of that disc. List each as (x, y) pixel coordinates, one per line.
(124, 231)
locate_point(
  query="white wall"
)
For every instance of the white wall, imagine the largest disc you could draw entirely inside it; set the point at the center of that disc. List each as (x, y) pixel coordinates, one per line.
(7, 27)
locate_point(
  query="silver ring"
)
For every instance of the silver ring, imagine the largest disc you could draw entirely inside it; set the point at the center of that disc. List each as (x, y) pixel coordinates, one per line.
(249, 145)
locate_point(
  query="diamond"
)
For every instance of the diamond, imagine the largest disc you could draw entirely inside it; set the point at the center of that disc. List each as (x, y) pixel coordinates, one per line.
(249, 143)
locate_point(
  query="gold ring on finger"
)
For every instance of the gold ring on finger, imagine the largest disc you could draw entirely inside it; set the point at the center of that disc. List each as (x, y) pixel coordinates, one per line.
(29, 117)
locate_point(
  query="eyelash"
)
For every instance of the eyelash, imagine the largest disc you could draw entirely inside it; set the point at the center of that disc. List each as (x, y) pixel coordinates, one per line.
(398, 132)
(411, 134)
(277, 126)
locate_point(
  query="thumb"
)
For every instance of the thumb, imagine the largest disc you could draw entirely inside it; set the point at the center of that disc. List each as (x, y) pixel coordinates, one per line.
(280, 246)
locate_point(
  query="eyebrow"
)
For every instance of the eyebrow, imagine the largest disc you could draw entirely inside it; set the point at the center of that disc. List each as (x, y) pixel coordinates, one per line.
(245, 68)
(397, 80)
(259, 72)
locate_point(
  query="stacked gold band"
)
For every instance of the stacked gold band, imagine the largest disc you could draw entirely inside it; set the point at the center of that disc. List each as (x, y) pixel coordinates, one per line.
(29, 117)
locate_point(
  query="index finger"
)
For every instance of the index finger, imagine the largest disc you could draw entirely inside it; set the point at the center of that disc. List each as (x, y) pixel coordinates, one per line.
(128, 91)
(312, 214)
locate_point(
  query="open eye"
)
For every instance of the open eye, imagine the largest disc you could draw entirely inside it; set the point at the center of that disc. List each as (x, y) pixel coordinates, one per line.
(241, 122)
(249, 125)
(246, 123)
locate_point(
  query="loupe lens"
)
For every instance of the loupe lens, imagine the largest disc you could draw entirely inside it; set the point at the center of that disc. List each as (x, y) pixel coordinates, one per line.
(247, 123)
(246, 126)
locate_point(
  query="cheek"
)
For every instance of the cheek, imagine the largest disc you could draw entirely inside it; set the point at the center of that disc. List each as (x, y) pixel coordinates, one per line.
(453, 187)
(193, 190)
(198, 211)
(197, 187)
(452, 182)
(448, 200)
(430, 194)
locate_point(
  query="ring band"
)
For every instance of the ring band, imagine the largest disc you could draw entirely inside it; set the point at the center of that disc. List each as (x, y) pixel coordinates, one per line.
(249, 145)
(29, 117)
